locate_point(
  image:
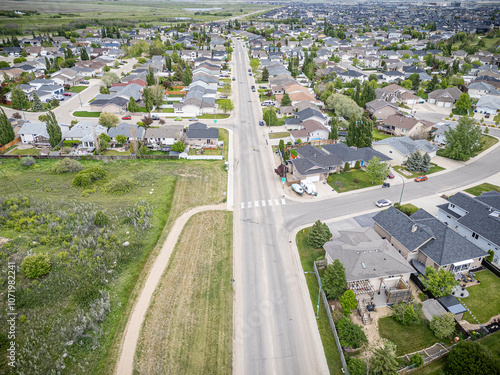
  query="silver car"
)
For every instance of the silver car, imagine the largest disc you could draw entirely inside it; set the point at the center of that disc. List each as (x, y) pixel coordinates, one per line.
(383, 203)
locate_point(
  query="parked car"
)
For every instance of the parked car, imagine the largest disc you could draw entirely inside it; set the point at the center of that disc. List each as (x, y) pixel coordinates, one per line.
(166, 149)
(249, 70)
(487, 115)
(193, 119)
(84, 82)
(155, 117)
(234, 78)
(297, 189)
(127, 117)
(261, 123)
(253, 90)
(383, 203)
(178, 119)
(421, 178)
(386, 185)
(66, 94)
(390, 175)
(249, 74)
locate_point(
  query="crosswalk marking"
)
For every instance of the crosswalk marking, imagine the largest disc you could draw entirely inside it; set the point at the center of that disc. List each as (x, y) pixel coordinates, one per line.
(270, 202)
(263, 203)
(242, 205)
(256, 203)
(277, 202)
(283, 201)
(249, 204)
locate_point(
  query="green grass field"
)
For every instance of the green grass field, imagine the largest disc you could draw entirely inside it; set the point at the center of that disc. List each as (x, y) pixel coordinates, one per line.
(188, 329)
(479, 301)
(377, 135)
(224, 136)
(77, 89)
(408, 339)
(178, 185)
(26, 151)
(434, 168)
(480, 189)
(488, 142)
(86, 114)
(347, 181)
(307, 257)
(278, 135)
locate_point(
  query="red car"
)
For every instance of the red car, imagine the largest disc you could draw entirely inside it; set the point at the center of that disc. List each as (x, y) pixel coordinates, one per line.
(390, 175)
(127, 118)
(66, 94)
(421, 178)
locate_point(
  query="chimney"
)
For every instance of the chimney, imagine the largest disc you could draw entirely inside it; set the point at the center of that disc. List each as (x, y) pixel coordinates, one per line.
(414, 228)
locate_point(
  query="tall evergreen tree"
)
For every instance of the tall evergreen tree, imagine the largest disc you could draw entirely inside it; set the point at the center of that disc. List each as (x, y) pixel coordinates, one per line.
(18, 98)
(6, 131)
(334, 280)
(150, 77)
(37, 103)
(265, 74)
(84, 55)
(55, 134)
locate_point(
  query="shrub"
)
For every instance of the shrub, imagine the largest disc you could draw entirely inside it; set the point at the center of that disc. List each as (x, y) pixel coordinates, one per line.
(67, 165)
(356, 366)
(406, 313)
(89, 176)
(443, 326)
(86, 292)
(70, 143)
(120, 185)
(355, 181)
(416, 359)
(66, 150)
(35, 266)
(337, 315)
(347, 167)
(28, 162)
(350, 334)
(101, 219)
(357, 165)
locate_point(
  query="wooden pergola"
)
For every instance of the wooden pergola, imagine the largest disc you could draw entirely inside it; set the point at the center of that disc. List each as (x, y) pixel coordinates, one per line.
(361, 287)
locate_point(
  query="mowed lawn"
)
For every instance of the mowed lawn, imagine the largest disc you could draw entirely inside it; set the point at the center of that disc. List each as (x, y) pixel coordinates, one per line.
(346, 181)
(434, 168)
(408, 339)
(488, 142)
(188, 329)
(480, 189)
(483, 300)
(307, 256)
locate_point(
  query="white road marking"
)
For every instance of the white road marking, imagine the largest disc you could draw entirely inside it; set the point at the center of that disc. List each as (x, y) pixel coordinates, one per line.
(283, 201)
(263, 203)
(270, 202)
(249, 204)
(256, 203)
(277, 202)
(242, 205)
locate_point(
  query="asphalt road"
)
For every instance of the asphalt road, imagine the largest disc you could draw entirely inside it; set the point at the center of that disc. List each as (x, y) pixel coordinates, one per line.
(275, 330)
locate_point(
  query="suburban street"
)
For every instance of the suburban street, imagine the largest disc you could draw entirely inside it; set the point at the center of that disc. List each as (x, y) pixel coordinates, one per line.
(275, 328)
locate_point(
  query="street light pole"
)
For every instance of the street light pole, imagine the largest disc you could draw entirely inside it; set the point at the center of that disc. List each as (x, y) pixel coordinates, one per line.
(402, 189)
(319, 294)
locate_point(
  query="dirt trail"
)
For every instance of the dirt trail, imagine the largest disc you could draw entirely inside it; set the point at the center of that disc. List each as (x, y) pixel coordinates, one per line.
(134, 324)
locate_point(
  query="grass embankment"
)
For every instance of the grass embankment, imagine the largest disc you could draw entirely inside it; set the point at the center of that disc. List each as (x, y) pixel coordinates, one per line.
(480, 189)
(86, 114)
(77, 89)
(377, 135)
(188, 328)
(434, 168)
(307, 257)
(487, 140)
(408, 339)
(224, 136)
(279, 135)
(56, 303)
(344, 181)
(25, 151)
(483, 299)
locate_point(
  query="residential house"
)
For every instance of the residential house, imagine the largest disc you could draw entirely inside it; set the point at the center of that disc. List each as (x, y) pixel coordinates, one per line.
(352, 155)
(405, 125)
(350, 75)
(200, 135)
(440, 133)
(67, 76)
(475, 218)
(393, 76)
(310, 113)
(425, 241)
(400, 148)
(163, 136)
(310, 130)
(488, 104)
(84, 133)
(313, 164)
(381, 109)
(479, 89)
(445, 97)
(373, 268)
(131, 131)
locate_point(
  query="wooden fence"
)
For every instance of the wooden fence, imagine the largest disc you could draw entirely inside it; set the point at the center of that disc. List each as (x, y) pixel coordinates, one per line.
(10, 144)
(93, 157)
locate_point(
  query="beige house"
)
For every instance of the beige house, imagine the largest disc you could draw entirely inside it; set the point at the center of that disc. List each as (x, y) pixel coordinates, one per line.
(403, 125)
(425, 241)
(381, 109)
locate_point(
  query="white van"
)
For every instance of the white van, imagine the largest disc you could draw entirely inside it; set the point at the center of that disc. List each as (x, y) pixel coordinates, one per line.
(267, 103)
(308, 187)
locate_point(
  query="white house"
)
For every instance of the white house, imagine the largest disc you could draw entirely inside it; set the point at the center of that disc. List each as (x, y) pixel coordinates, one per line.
(488, 104)
(400, 148)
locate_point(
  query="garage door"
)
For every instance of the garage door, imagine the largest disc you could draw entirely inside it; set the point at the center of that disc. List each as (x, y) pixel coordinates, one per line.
(439, 104)
(447, 105)
(313, 178)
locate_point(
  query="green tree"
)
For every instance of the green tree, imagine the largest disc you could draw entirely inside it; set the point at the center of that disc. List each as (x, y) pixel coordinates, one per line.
(17, 98)
(269, 115)
(109, 120)
(415, 81)
(359, 132)
(383, 361)
(472, 358)
(405, 313)
(356, 366)
(132, 105)
(286, 100)
(104, 140)
(439, 283)
(463, 104)
(150, 77)
(407, 84)
(226, 105)
(37, 103)
(443, 325)
(281, 145)
(84, 56)
(344, 106)
(334, 133)
(109, 78)
(334, 281)
(121, 139)
(55, 134)
(6, 131)
(416, 359)
(318, 235)
(157, 92)
(350, 334)
(465, 141)
(178, 146)
(415, 162)
(377, 169)
(433, 84)
(348, 302)
(148, 99)
(34, 266)
(187, 77)
(254, 63)
(265, 74)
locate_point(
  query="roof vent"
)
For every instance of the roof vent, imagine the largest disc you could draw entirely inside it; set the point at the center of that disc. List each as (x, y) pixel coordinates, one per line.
(363, 265)
(414, 228)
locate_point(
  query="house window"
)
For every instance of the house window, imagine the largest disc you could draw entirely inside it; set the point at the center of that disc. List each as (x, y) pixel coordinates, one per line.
(452, 205)
(475, 235)
(390, 152)
(479, 259)
(449, 217)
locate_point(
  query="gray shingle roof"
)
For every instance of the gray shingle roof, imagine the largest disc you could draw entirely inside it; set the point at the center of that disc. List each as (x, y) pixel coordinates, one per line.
(406, 145)
(346, 153)
(125, 129)
(305, 167)
(199, 130)
(318, 157)
(478, 218)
